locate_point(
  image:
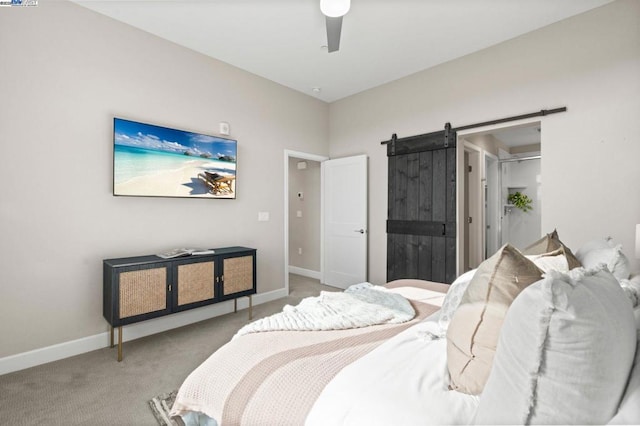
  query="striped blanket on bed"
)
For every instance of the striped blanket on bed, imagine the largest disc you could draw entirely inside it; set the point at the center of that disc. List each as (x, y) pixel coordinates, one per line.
(274, 378)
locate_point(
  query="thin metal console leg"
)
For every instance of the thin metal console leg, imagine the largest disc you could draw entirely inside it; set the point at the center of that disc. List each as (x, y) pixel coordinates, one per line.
(111, 345)
(119, 343)
(250, 308)
(235, 305)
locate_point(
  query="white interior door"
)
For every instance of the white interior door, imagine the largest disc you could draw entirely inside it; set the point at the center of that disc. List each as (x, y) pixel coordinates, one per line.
(344, 189)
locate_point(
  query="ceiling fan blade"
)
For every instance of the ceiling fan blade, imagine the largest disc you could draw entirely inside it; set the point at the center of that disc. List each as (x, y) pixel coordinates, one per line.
(334, 28)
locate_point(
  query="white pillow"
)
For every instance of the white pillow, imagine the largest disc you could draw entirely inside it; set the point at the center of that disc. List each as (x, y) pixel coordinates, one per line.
(598, 243)
(632, 289)
(629, 411)
(564, 354)
(604, 250)
(612, 257)
(453, 298)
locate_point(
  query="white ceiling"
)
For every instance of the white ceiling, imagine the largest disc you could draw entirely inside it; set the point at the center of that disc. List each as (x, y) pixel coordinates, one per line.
(381, 40)
(518, 135)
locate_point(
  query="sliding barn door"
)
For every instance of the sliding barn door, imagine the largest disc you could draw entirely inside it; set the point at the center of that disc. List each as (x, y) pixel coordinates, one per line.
(421, 221)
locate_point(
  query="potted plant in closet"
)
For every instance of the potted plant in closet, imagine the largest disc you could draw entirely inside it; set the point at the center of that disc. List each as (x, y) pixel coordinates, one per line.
(520, 201)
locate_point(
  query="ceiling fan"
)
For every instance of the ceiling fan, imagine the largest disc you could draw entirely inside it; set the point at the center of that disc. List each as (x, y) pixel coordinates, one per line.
(334, 10)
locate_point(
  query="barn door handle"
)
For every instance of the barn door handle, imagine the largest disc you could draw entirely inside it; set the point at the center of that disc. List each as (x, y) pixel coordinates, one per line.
(444, 229)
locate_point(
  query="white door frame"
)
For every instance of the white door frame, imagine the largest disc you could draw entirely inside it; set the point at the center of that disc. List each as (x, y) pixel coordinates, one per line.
(303, 156)
(474, 211)
(496, 203)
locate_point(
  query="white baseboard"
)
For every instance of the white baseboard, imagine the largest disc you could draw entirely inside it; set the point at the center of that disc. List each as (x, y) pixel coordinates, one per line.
(305, 272)
(47, 354)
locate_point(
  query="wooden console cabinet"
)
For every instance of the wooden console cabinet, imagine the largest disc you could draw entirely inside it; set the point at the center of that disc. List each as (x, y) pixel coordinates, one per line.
(144, 287)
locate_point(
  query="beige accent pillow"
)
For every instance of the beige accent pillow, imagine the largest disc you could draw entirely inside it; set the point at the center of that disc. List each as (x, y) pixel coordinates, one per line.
(473, 333)
(550, 243)
(543, 245)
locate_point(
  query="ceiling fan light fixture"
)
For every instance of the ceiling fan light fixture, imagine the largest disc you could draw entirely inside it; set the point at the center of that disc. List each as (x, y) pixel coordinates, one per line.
(335, 8)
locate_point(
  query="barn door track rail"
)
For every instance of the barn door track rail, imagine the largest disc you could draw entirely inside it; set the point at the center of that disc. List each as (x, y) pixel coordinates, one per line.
(448, 129)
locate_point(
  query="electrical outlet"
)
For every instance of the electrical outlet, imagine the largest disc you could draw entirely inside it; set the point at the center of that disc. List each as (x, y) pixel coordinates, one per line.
(299, 213)
(299, 250)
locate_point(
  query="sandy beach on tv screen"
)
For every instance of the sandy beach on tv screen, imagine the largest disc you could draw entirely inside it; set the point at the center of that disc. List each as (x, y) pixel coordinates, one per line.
(183, 182)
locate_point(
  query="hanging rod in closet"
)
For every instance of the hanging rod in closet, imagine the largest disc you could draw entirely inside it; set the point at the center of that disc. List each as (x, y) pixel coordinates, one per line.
(512, 160)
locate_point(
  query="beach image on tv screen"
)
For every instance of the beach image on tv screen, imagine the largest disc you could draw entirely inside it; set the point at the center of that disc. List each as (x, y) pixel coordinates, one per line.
(155, 161)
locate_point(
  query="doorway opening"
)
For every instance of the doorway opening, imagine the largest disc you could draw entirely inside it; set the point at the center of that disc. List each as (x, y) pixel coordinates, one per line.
(520, 176)
(499, 163)
(302, 215)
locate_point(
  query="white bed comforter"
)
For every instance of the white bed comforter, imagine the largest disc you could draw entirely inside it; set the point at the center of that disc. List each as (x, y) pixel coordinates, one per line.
(400, 382)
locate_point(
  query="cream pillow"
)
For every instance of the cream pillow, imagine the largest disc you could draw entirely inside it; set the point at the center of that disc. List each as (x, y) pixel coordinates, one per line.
(473, 332)
(565, 353)
(553, 261)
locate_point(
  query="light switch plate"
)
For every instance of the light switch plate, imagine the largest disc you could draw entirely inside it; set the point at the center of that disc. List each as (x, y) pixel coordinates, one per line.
(263, 216)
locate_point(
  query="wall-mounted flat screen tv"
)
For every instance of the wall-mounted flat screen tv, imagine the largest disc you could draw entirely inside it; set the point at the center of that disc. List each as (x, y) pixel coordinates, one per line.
(156, 161)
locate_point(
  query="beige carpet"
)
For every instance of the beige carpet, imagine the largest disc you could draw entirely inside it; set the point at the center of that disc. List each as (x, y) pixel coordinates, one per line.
(94, 389)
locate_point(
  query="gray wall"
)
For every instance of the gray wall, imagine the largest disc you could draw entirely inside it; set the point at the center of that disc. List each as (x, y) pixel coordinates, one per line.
(304, 232)
(589, 63)
(66, 71)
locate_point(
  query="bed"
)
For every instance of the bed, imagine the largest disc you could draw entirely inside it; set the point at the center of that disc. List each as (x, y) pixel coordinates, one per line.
(400, 373)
